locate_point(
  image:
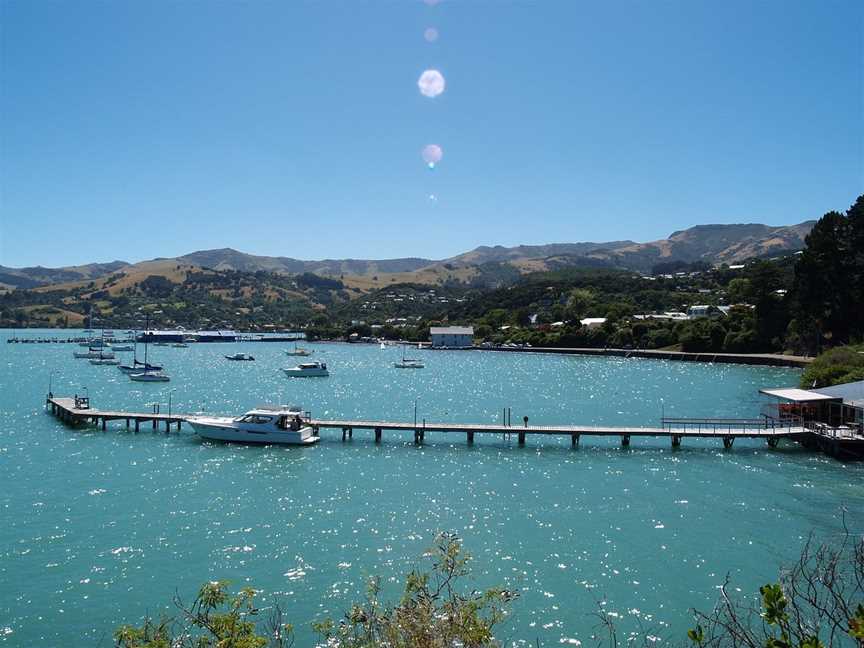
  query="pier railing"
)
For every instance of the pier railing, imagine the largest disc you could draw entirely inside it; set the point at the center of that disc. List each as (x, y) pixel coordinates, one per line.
(721, 424)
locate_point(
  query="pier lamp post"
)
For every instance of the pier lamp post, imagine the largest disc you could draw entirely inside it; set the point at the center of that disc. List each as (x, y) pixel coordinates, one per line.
(170, 394)
(415, 412)
(662, 412)
(51, 384)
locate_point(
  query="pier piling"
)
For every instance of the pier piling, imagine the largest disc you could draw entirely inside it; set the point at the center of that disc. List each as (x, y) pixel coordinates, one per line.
(625, 440)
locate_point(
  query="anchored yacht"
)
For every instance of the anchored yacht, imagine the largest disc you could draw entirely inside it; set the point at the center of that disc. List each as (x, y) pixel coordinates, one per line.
(313, 369)
(281, 424)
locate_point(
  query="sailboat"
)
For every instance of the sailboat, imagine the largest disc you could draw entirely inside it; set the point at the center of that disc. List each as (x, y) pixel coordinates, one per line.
(95, 351)
(104, 358)
(147, 374)
(408, 363)
(137, 366)
(298, 351)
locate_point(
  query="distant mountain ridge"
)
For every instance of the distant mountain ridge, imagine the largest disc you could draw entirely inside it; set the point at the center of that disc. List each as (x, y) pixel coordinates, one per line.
(230, 259)
(712, 244)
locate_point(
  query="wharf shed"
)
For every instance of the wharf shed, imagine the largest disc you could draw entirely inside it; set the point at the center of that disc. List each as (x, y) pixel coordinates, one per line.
(453, 337)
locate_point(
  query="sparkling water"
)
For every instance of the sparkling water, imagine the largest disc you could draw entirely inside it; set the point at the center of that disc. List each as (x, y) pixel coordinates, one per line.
(100, 528)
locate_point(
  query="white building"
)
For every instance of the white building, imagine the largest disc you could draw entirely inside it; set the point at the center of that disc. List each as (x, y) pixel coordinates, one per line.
(592, 322)
(452, 336)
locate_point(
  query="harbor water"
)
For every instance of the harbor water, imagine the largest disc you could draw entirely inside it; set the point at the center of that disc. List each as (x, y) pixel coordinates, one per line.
(100, 528)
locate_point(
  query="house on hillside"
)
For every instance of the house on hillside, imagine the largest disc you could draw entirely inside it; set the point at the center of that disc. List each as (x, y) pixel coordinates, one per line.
(454, 337)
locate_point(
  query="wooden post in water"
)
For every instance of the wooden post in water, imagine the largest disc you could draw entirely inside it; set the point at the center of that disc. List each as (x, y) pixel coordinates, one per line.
(728, 441)
(103, 424)
(773, 441)
(470, 435)
(137, 425)
(574, 440)
(377, 435)
(625, 440)
(344, 433)
(350, 433)
(521, 438)
(676, 440)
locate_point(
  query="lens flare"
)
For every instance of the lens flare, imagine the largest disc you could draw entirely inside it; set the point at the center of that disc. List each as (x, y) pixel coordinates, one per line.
(432, 154)
(431, 83)
(431, 34)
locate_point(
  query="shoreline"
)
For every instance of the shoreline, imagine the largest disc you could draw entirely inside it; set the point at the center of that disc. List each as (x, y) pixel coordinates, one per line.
(759, 359)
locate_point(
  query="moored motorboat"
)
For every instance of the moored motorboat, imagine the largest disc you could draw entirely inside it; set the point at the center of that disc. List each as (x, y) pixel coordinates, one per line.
(283, 425)
(239, 356)
(180, 345)
(122, 347)
(310, 369)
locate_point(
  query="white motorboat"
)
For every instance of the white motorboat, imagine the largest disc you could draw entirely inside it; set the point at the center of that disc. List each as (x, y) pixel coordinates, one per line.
(180, 345)
(311, 369)
(282, 425)
(122, 347)
(298, 351)
(239, 356)
(383, 346)
(149, 376)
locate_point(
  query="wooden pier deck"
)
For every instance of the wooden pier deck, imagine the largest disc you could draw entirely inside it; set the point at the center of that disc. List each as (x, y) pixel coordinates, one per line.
(78, 411)
(726, 429)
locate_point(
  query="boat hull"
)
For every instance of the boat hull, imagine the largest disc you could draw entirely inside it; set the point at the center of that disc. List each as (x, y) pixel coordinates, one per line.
(309, 373)
(215, 431)
(148, 377)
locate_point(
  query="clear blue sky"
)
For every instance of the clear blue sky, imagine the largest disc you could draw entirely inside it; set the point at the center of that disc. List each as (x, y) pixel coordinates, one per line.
(139, 129)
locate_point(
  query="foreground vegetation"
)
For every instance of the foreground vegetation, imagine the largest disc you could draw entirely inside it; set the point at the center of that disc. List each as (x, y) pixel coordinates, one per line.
(817, 603)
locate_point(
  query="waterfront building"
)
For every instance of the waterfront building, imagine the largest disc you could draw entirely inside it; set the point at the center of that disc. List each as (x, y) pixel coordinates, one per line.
(452, 336)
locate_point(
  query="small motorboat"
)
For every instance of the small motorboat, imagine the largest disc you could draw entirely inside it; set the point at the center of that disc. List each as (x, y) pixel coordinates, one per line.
(180, 345)
(310, 369)
(122, 347)
(284, 425)
(239, 356)
(149, 376)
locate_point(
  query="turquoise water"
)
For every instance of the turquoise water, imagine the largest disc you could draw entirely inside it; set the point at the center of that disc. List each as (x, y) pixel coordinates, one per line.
(101, 527)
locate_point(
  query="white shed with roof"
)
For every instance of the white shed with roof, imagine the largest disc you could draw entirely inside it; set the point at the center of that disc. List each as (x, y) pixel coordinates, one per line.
(452, 336)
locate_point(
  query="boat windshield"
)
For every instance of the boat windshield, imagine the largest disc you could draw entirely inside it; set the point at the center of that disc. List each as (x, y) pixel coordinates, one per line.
(255, 419)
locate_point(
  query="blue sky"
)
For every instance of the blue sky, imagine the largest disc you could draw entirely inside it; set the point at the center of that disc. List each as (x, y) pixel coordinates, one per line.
(131, 130)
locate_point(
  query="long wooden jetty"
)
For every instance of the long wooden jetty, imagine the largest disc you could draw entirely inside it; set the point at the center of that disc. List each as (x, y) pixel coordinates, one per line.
(675, 429)
(78, 410)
